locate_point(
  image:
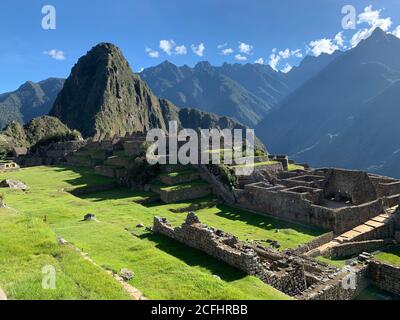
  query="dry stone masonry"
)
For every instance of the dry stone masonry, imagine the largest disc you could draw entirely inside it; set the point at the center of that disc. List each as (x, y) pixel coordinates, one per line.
(288, 273)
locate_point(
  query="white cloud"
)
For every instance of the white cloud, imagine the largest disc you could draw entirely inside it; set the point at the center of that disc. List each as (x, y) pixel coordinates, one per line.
(339, 39)
(274, 60)
(285, 54)
(227, 51)
(199, 50)
(240, 57)
(245, 48)
(318, 47)
(141, 70)
(396, 32)
(373, 18)
(221, 46)
(167, 46)
(259, 61)
(287, 68)
(152, 53)
(360, 35)
(297, 53)
(55, 54)
(180, 50)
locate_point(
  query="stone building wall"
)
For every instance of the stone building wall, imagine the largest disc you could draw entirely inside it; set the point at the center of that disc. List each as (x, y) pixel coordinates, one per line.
(346, 285)
(351, 184)
(287, 206)
(385, 276)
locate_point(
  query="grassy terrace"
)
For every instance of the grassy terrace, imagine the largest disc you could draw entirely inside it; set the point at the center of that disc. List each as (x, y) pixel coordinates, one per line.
(179, 173)
(294, 167)
(391, 256)
(164, 269)
(258, 164)
(178, 187)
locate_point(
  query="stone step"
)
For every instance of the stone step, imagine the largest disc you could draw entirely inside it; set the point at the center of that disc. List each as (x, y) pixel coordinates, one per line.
(357, 232)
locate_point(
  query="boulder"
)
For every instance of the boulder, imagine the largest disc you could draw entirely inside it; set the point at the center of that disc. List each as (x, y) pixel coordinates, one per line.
(89, 217)
(14, 184)
(62, 241)
(141, 225)
(126, 274)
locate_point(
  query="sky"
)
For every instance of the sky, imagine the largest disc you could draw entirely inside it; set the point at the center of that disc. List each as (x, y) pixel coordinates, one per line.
(275, 32)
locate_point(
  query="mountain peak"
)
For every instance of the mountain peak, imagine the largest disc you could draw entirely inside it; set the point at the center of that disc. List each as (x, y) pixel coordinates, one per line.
(378, 32)
(203, 65)
(103, 97)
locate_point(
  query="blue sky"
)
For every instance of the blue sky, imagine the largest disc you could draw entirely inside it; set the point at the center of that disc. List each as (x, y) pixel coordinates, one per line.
(280, 32)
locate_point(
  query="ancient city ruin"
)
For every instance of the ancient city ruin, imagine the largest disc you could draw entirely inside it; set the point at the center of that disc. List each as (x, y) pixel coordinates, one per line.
(358, 211)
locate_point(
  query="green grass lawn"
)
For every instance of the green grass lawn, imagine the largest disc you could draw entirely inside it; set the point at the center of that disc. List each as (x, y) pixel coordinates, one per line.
(332, 262)
(179, 187)
(391, 256)
(294, 167)
(164, 269)
(258, 164)
(28, 245)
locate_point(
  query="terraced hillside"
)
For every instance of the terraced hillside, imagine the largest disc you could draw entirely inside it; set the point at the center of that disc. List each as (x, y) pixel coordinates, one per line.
(163, 269)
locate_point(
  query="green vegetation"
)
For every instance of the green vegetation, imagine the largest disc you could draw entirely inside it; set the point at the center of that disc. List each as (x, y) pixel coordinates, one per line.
(177, 187)
(38, 132)
(28, 245)
(226, 174)
(294, 167)
(179, 173)
(258, 164)
(164, 269)
(391, 255)
(332, 262)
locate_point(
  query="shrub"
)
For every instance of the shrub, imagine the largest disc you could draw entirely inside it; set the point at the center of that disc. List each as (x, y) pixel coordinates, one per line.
(225, 174)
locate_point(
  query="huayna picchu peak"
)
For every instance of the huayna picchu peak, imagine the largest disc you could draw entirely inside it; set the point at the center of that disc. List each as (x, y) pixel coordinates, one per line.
(103, 97)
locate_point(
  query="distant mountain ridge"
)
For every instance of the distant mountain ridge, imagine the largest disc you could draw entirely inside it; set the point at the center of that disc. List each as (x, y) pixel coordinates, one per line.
(103, 97)
(344, 116)
(246, 93)
(30, 100)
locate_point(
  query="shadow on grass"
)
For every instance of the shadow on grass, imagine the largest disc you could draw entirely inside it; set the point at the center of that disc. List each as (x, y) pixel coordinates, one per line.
(117, 193)
(264, 222)
(87, 176)
(194, 257)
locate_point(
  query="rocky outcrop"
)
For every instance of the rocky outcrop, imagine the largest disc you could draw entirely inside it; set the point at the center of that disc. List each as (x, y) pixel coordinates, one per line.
(14, 184)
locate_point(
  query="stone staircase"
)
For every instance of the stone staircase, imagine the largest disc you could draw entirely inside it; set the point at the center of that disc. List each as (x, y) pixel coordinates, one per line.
(378, 227)
(180, 183)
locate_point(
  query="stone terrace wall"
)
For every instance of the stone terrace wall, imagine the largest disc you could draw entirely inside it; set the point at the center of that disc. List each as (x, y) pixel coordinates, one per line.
(315, 243)
(346, 250)
(287, 277)
(385, 276)
(350, 217)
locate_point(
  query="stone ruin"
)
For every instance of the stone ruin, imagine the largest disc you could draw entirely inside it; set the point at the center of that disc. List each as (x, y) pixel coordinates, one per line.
(296, 276)
(331, 199)
(6, 166)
